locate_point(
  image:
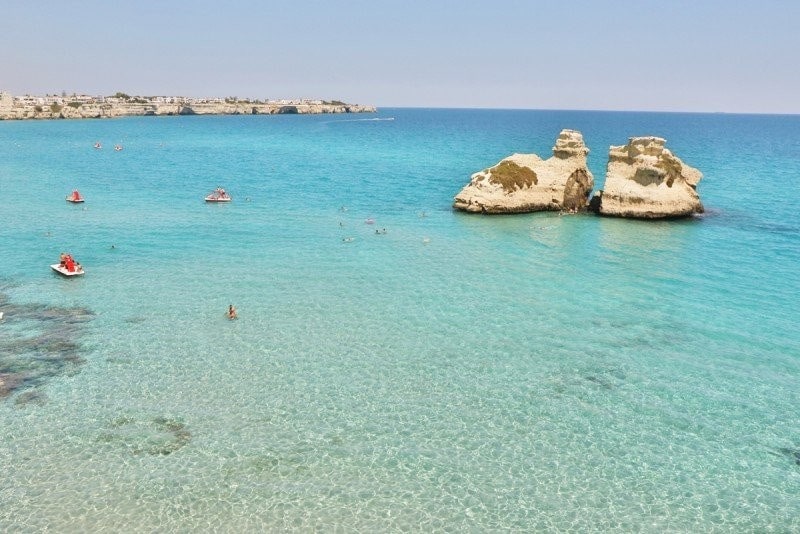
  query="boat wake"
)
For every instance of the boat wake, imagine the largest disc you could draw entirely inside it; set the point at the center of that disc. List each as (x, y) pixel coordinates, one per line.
(373, 119)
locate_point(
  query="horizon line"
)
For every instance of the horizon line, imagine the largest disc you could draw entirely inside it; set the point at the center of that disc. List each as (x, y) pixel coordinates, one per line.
(585, 110)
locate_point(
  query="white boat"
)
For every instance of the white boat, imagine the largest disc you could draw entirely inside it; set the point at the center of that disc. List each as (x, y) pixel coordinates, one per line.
(218, 195)
(60, 269)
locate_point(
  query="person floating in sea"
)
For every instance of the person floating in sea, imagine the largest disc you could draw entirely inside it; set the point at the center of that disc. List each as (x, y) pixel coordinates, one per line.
(232, 312)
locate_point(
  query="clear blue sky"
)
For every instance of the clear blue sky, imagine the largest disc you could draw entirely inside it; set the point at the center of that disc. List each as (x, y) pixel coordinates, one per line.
(673, 55)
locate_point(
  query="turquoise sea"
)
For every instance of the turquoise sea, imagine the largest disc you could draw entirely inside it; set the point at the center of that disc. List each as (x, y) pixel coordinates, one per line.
(458, 373)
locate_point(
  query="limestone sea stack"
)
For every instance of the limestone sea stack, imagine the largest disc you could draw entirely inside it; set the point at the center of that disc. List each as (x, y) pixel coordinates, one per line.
(524, 183)
(644, 180)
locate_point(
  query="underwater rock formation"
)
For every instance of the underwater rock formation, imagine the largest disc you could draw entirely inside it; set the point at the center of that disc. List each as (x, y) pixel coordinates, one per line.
(158, 436)
(644, 180)
(523, 183)
(31, 397)
(793, 454)
(43, 342)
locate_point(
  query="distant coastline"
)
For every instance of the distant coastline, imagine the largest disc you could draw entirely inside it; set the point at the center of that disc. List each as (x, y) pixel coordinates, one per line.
(123, 105)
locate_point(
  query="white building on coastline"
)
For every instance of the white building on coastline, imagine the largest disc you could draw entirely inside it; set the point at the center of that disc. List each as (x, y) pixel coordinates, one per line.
(6, 100)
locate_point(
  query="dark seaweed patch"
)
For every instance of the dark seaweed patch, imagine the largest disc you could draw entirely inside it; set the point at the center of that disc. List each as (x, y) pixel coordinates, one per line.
(32, 397)
(37, 343)
(159, 436)
(793, 454)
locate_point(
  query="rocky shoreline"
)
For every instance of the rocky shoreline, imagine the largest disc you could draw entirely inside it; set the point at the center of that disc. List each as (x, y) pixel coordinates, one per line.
(120, 105)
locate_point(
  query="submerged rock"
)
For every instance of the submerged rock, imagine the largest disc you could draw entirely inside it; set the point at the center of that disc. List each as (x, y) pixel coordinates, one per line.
(32, 397)
(43, 343)
(645, 180)
(793, 454)
(159, 436)
(523, 183)
(9, 382)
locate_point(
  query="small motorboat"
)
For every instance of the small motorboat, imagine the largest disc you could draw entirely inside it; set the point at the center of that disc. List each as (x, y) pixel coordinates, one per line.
(98, 145)
(63, 270)
(117, 147)
(218, 195)
(75, 197)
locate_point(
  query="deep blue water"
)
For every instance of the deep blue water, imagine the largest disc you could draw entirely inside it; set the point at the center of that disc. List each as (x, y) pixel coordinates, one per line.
(460, 372)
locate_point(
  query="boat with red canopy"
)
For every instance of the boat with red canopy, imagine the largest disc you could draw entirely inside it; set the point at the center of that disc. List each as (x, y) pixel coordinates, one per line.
(67, 266)
(75, 197)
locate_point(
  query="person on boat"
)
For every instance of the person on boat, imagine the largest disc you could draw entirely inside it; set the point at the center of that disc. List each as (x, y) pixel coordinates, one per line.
(232, 312)
(76, 195)
(78, 267)
(63, 259)
(70, 264)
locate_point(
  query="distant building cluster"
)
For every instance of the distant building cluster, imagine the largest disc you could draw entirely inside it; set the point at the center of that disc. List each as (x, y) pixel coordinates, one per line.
(8, 101)
(82, 106)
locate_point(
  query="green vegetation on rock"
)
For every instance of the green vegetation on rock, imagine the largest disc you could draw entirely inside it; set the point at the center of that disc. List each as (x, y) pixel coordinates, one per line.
(512, 176)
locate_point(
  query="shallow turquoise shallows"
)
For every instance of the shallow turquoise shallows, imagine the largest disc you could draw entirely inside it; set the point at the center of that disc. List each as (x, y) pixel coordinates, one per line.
(457, 373)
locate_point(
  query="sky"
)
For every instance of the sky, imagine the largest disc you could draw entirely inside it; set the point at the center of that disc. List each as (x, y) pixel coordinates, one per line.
(738, 56)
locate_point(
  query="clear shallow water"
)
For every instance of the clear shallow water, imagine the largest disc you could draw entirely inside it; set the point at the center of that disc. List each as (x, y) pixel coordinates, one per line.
(529, 372)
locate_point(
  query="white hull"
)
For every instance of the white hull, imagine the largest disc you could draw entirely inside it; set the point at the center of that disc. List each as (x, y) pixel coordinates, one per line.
(60, 269)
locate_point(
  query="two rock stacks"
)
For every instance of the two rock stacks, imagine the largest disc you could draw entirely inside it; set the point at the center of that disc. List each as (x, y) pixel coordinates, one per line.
(644, 180)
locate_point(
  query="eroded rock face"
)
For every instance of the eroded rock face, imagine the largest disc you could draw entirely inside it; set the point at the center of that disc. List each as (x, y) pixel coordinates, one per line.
(523, 183)
(645, 180)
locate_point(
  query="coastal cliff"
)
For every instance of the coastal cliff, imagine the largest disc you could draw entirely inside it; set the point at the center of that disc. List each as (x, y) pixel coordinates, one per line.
(645, 180)
(523, 183)
(20, 108)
